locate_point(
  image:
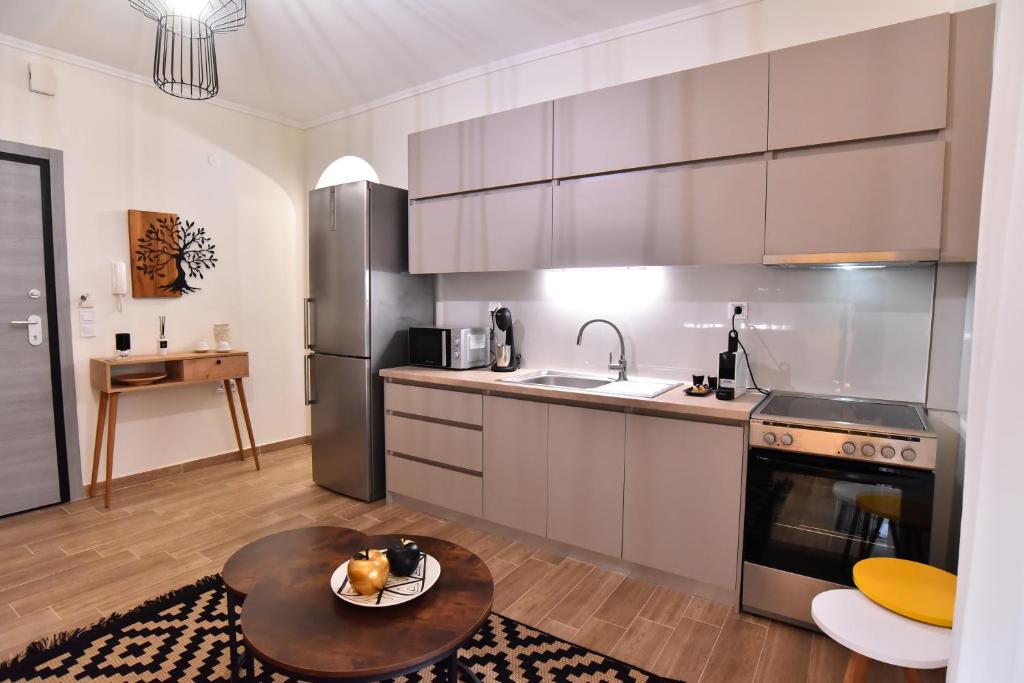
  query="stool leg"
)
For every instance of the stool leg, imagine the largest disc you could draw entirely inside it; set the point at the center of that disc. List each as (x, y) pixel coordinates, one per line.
(913, 675)
(856, 668)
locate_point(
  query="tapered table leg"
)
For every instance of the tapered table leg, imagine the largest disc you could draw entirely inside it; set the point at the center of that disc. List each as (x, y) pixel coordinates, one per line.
(248, 423)
(100, 419)
(856, 668)
(234, 419)
(111, 430)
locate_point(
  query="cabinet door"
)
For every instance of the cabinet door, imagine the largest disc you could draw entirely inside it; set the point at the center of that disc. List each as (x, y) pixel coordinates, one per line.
(507, 148)
(970, 88)
(705, 213)
(884, 81)
(682, 498)
(508, 229)
(585, 475)
(874, 203)
(712, 111)
(516, 464)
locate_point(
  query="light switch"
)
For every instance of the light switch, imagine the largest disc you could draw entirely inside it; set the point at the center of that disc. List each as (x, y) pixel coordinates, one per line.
(87, 322)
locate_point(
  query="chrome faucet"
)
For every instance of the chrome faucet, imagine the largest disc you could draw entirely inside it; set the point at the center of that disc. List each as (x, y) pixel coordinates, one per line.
(621, 365)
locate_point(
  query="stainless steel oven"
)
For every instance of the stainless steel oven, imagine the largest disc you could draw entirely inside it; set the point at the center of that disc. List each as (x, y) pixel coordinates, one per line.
(824, 492)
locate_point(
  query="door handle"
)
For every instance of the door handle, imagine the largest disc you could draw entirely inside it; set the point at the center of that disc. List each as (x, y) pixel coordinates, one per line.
(310, 399)
(310, 324)
(35, 329)
(334, 219)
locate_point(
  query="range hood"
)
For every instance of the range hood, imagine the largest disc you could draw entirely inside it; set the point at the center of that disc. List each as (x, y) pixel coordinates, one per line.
(853, 259)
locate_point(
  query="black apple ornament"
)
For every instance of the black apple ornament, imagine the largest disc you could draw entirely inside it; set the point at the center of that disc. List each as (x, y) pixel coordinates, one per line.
(404, 557)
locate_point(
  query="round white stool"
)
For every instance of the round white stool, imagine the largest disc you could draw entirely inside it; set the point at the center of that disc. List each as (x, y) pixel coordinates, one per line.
(871, 631)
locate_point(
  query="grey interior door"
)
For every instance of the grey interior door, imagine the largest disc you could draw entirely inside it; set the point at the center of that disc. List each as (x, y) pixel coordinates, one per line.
(338, 276)
(340, 421)
(29, 469)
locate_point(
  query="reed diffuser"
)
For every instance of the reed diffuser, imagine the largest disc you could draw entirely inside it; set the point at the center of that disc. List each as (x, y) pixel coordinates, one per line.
(163, 335)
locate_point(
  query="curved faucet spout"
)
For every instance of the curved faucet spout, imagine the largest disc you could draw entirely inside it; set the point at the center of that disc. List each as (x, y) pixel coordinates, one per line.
(621, 365)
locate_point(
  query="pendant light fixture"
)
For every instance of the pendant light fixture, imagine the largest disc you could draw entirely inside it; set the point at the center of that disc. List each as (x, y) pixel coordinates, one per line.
(185, 58)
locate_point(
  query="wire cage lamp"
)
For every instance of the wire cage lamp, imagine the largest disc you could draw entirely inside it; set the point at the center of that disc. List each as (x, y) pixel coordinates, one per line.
(185, 58)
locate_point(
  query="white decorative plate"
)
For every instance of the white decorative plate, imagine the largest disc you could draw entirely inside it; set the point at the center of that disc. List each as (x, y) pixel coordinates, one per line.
(397, 590)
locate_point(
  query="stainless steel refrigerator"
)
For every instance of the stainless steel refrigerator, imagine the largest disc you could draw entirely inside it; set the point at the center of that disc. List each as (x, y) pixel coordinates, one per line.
(361, 303)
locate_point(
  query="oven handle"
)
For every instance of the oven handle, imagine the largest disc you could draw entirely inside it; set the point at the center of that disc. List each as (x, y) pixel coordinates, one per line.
(786, 462)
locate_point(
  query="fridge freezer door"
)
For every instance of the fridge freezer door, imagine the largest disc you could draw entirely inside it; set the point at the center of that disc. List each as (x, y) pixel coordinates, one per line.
(343, 454)
(339, 282)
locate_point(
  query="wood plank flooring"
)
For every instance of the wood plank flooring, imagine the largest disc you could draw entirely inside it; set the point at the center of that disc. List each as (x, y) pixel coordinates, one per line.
(67, 566)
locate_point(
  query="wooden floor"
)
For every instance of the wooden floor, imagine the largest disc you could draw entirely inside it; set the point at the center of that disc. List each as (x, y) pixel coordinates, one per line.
(67, 566)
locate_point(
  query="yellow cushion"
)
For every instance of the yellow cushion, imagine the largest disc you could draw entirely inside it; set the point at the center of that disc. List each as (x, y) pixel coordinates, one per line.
(917, 591)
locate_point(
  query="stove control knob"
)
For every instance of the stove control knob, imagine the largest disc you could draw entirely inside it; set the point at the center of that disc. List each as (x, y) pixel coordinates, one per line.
(769, 438)
(888, 451)
(867, 449)
(849, 448)
(787, 439)
(909, 454)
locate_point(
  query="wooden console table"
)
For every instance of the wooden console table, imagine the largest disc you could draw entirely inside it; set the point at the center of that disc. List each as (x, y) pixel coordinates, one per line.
(181, 369)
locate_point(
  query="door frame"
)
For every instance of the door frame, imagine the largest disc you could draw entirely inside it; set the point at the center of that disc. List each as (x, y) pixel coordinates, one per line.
(58, 311)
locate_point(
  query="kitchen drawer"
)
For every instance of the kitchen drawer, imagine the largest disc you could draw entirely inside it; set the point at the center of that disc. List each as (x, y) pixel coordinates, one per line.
(435, 485)
(216, 367)
(441, 443)
(455, 406)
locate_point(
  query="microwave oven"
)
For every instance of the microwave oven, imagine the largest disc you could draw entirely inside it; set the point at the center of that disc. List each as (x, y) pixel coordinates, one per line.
(454, 348)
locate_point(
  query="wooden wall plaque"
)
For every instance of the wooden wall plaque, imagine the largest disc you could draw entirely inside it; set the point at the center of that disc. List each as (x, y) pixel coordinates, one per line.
(153, 265)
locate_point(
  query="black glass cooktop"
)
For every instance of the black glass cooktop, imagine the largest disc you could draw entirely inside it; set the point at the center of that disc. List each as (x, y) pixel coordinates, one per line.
(848, 410)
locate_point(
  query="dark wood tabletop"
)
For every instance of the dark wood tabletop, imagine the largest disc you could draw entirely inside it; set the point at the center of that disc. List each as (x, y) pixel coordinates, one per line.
(279, 554)
(293, 621)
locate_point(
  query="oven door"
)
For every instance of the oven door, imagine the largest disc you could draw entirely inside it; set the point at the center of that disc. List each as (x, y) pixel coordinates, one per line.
(430, 347)
(816, 516)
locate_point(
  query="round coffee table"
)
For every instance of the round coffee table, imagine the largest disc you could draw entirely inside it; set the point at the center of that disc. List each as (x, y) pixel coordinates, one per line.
(294, 625)
(278, 555)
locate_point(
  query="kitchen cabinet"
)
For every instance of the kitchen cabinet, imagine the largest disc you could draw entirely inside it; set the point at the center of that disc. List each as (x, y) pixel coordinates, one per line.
(516, 463)
(875, 83)
(708, 212)
(507, 148)
(683, 485)
(855, 203)
(459, 491)
(457, 447)
(970, 88)
(506, 229)
(441, 404)
(586, 450)
(712, 111)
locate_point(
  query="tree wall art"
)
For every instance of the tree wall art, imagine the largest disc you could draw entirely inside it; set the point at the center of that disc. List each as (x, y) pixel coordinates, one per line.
(168, 256)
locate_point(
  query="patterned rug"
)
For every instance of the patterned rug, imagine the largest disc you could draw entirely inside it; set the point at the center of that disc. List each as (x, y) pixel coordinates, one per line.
(182, 636)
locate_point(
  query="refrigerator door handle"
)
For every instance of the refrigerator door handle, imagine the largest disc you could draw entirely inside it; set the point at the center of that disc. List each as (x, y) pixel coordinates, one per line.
(334, 213)
(309, 323)
(310, 399)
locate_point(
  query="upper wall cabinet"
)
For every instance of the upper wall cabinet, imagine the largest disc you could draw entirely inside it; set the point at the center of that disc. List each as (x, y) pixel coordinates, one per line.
(506, 229)
(881, 82)
(709, 212)
(855, 203)
(508, 148)
(712, 111)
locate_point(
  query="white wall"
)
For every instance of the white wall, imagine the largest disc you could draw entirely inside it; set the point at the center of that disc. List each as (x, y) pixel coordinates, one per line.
(989, 622)
(127, 145)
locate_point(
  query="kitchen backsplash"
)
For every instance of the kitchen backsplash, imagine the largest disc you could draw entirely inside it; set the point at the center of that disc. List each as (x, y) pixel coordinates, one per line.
(860, 332)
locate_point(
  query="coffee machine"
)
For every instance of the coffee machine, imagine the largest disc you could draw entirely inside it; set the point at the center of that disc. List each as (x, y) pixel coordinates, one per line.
(733, 375)
(505, 357)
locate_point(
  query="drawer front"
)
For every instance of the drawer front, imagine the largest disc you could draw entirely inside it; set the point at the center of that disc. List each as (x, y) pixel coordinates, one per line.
(225, 367)
(455, 446)
(455, 406)
(436, 485)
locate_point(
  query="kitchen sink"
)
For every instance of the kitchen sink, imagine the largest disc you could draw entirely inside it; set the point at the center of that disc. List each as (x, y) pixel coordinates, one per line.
(594, 384)
(560, 380)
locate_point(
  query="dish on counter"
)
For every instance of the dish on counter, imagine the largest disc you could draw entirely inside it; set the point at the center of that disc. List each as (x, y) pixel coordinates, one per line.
(698, 390)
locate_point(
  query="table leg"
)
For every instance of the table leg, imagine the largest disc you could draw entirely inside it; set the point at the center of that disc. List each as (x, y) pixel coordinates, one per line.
(234, 419)
(248, 423)
(455, 667)
(111, 430)
(856, 668)
(913, 675)
(101, 417)
(232, 637)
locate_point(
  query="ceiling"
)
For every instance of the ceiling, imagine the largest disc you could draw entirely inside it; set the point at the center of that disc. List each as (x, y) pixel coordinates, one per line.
(304, 60)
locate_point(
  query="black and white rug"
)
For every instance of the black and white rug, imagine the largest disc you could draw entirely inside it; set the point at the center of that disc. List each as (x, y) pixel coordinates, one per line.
(183, 636)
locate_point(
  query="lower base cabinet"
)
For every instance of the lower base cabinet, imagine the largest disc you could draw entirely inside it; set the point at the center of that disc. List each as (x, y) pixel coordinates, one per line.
(439, 486)
(585, 478)
(516, 464)
(683, 484)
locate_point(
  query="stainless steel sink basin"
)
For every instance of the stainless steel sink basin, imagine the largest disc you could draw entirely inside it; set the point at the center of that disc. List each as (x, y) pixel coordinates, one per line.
(594, 384)
(560, 380)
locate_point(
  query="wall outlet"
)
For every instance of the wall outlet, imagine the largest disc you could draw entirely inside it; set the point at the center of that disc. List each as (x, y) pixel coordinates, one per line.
(493, 306)
(742, 305)
(220, 387)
